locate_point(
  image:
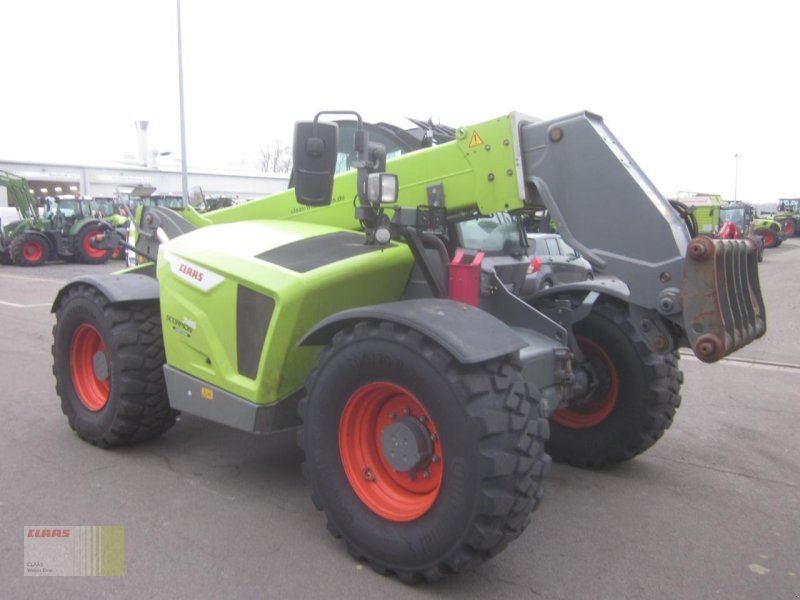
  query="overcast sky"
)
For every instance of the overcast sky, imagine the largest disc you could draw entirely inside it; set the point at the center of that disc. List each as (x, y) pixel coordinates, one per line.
(685, 86)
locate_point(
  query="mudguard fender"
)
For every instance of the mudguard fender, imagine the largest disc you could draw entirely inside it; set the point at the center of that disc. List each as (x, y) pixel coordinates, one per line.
(471, 335)
(124, 287)
(609, 287)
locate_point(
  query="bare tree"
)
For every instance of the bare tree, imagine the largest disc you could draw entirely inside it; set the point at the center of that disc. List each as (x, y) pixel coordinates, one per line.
(275, 158)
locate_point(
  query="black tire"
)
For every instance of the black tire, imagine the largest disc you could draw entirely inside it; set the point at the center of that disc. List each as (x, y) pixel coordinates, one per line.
(637, 395)
(82, 249)
(28, 250)
(491, 437)
(121, 399)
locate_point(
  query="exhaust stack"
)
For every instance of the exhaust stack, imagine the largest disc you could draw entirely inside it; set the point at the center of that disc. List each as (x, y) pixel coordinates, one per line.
(141, 141)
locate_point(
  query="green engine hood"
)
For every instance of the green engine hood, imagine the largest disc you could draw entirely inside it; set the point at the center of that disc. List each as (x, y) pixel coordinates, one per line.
(236, 298)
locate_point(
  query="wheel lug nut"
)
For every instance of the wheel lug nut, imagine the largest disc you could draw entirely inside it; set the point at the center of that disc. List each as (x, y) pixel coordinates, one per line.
(407, 411)
(422, 418)
(392, 415)
(426, 474)
(436, 458)
(434, 437)
(368, 474)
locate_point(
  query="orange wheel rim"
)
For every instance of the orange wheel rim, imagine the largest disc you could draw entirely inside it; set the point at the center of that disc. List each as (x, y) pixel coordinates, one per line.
(370, 415)
(32, 250)
(585, 416)
(87, 357)
(90, 250)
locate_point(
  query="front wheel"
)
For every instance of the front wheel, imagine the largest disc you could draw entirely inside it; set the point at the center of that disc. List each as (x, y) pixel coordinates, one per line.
(423, 465)
(633, 394)
(108, 361)
(771, 240)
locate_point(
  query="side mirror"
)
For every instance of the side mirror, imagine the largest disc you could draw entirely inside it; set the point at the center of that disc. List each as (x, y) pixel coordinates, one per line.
(314, 157)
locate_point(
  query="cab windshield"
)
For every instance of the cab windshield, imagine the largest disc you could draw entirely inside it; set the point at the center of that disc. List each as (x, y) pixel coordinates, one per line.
(792, 205)
(735, 215)
(102, 206)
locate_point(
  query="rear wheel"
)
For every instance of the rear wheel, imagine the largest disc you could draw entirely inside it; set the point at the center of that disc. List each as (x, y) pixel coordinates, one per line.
(423, 465)
(83, 250)
(634, 393)
(789, 227)
(28, 250)
(108, 360)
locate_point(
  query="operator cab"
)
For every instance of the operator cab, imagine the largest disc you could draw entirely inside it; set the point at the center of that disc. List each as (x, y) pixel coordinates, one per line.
(470, 245)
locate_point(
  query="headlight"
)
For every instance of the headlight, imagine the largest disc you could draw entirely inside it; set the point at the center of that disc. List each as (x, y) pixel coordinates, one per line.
(382, 188)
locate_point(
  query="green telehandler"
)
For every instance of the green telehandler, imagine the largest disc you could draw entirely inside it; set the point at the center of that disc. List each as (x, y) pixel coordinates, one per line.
(66, 231)
(377, 311)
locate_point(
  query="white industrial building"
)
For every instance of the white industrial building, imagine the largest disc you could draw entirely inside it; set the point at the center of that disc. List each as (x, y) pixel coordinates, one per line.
(107, 178)
(52, 179)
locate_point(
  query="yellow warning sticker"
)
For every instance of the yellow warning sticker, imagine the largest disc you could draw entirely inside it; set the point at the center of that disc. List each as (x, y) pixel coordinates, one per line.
(207, 393)
(475, 140)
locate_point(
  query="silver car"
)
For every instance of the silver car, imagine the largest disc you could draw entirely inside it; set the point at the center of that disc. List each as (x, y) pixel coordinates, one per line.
(553, 262)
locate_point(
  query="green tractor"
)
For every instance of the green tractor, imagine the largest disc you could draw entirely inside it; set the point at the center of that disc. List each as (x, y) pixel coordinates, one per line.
(789, 216)
(66, 231)
(378, 312)
(770, 229)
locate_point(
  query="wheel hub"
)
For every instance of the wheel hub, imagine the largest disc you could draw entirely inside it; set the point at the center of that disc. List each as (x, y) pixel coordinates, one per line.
(406, 445)
(601, 397)
(100, 366)
(599, 382)
(391, 451)
(89, 367)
